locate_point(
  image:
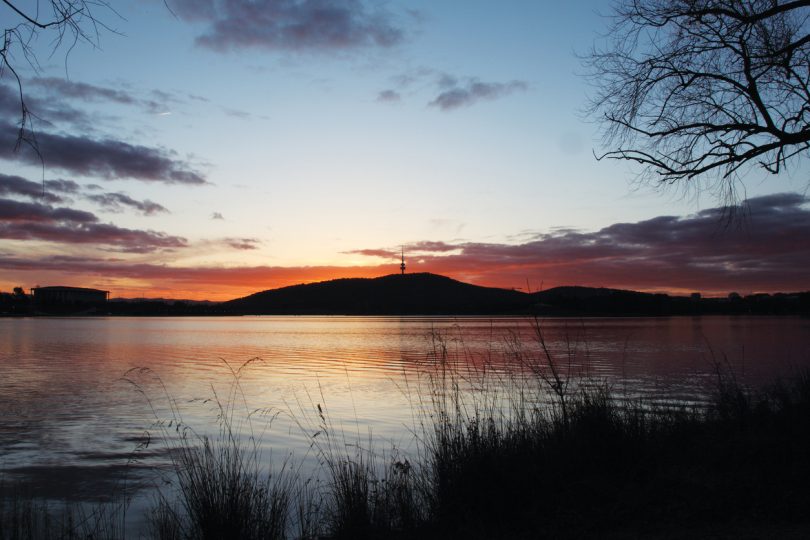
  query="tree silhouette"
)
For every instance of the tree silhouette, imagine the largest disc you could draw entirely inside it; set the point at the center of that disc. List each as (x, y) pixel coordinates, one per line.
(695, 89)
(65, 22)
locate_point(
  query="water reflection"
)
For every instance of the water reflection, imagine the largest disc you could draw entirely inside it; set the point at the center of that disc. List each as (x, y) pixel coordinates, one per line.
(67, 412)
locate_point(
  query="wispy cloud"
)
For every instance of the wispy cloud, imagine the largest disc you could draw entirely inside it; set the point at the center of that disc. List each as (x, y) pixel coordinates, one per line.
(242, 243)
(116, 202)
(389, 96)
(83, 91)
(48, 110)
(450, 91)
(67, 186)
(472, 91)
(65, 90)
(291, 25)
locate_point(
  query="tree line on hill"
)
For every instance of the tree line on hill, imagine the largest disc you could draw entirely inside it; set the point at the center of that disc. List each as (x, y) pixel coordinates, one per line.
(428, 294)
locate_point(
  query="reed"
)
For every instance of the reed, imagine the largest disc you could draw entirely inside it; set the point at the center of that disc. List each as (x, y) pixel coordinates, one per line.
(218, 487)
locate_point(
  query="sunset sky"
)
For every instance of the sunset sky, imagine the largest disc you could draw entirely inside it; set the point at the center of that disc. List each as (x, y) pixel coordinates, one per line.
(222, 147)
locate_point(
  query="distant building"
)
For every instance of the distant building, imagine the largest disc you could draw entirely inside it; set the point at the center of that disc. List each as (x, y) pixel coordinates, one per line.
(68, 296)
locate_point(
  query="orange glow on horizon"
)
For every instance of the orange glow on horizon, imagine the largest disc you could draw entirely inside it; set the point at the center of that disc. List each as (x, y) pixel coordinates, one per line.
(220, 284)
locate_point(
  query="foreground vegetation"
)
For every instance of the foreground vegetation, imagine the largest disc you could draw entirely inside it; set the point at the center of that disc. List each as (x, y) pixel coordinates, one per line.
(548, 455)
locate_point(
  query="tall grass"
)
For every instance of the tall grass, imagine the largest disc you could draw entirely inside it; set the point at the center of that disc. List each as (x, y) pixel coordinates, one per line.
(219, 488)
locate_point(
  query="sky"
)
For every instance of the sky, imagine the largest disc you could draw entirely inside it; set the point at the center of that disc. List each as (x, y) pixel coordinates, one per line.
(209, 149)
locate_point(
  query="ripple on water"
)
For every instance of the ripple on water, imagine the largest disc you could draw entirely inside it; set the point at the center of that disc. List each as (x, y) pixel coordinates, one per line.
(66, 412)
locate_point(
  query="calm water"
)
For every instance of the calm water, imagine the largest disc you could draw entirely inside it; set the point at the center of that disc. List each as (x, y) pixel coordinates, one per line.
(73, 411)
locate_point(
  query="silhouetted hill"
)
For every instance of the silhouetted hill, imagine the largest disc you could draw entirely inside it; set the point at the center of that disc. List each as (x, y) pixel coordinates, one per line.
(602, 301)
(409, 294)
(431, 294)
(590, 301)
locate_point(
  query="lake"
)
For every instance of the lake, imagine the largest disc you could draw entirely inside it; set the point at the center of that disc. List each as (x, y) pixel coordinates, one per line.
(80, 398)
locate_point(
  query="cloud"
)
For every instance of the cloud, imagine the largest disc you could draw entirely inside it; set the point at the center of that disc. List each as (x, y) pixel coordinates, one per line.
(71, 90)
(33, 221)
(216, 215)
(18, 211)
(236, 113)
(769, 252)
(450, 91)
(49, 110)
(389, 96)
(242, 243)
(424, 246)
(115, 202)
(83, 91)
(472, 91)
(16, 185)
(289, 25)
(66, 186)
(381, 252)
(47, 193)
(106, 158)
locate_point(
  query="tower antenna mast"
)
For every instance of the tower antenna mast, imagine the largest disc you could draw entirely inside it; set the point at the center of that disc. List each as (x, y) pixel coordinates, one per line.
(402, 266)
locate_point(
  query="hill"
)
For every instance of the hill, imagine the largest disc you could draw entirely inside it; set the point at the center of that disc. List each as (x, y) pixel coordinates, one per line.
(395, 294)
(431, 294)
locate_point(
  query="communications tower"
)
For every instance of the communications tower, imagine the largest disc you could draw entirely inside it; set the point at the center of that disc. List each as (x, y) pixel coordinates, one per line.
(402, 266)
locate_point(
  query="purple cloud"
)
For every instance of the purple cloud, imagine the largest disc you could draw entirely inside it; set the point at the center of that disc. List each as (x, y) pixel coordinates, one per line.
(107, 158)
(65, 89)
(83, 91)
(424, 246)
(18, 211)
(32, 221)
(242, 243)
(382, 252)
(64, 186)
(16, 185)
(297, 25)
(769, 250)
(461, 95)
(115, 202)
(44, 109)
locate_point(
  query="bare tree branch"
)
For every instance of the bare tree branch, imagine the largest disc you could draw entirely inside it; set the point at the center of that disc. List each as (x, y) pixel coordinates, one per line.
(703, 88)
(66, 23)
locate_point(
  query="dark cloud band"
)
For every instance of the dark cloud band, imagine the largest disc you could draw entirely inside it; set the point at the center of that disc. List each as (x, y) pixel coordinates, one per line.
(106, 158)
(33, 221)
